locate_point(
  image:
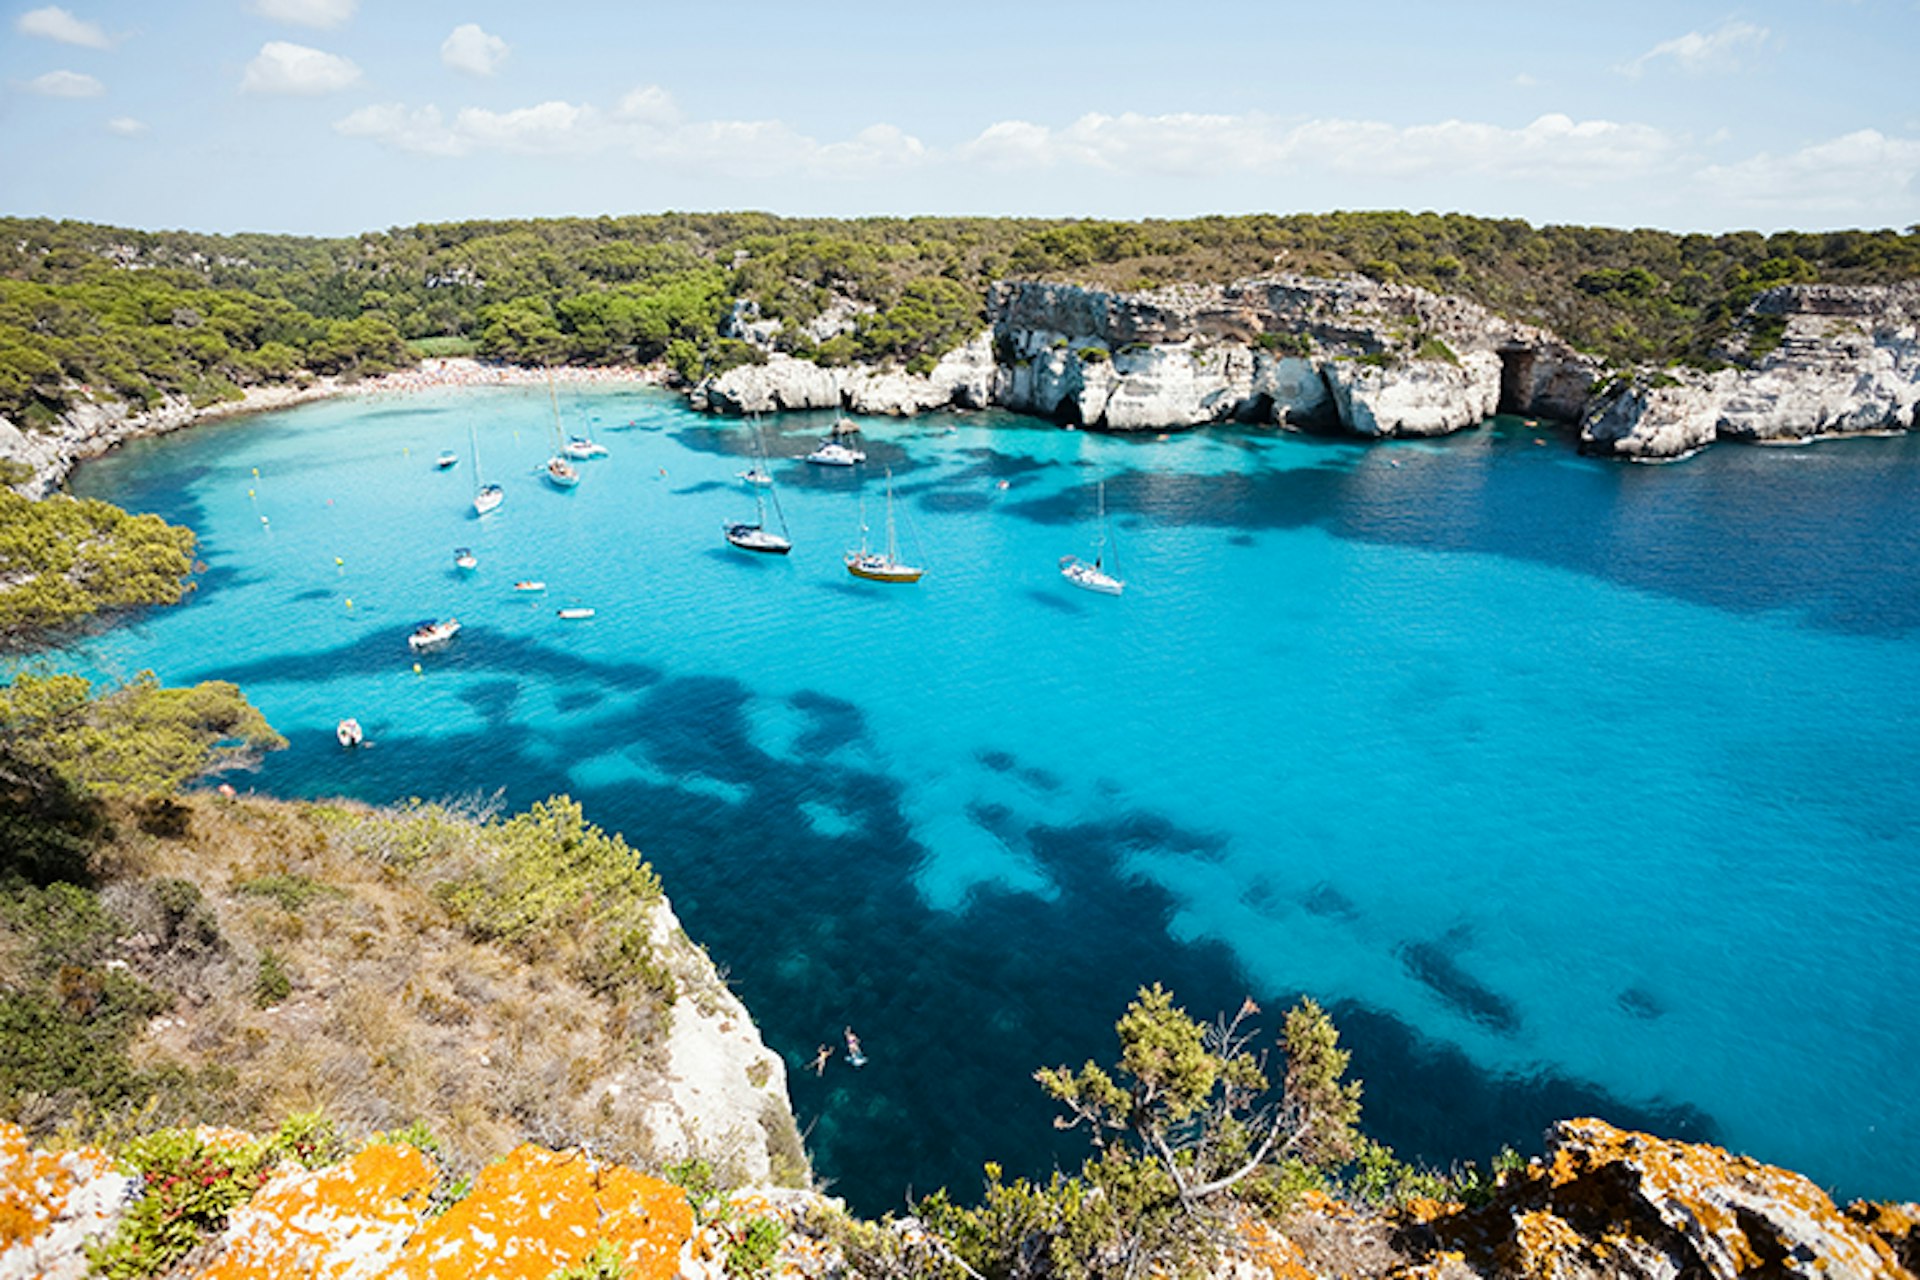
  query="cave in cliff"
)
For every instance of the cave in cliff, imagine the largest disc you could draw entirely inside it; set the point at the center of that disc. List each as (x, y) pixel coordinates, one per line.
(1516, 379)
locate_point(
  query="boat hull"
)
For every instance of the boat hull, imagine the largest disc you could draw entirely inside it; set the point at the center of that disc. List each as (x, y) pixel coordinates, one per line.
(1088, 578)
(880, 569)
(750, 537)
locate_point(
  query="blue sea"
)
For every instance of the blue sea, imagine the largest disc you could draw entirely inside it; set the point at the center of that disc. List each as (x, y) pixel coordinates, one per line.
(1569, 787)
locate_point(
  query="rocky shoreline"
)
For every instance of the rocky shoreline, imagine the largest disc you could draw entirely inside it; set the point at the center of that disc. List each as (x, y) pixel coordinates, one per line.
(1358, 357)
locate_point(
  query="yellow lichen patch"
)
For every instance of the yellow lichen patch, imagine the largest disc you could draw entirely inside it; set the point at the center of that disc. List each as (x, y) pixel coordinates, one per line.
(529, 1214)
(649, 1220)
(1273, 1252)
(1540, 1243)
(35, 1185)
(346, 1222)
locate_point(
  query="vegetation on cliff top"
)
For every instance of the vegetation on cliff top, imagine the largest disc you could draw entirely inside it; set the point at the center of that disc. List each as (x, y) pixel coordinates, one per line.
(63, 561)
(138, 313)
(226, 959)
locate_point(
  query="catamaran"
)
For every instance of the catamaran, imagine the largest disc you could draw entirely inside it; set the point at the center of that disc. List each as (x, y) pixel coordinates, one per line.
(1093, 577)
(876, 566)
(832, 453)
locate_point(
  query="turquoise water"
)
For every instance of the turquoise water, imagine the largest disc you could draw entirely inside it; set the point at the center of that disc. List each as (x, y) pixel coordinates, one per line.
(1570, 787)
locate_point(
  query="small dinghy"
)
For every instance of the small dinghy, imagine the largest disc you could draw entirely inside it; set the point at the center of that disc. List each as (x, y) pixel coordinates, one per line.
(529, 584)
(447, 459)
(575, 613)
(464, 558)
(348, 732)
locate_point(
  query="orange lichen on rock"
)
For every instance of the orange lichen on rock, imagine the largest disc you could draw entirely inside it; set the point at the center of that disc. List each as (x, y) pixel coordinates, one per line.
(1271, 1251)
(647, 1219)
(536, 1211)
(34, 1185)
(1605, 1194)
(346, 1222)
(52, 1203)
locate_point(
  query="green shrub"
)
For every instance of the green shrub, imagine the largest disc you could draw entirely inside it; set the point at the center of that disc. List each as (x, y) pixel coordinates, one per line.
(752, 1246)
(271, 984)
(1432, 348)
(189, 1189)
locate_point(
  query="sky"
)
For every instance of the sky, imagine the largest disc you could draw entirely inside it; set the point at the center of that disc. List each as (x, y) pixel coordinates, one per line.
(332, 117)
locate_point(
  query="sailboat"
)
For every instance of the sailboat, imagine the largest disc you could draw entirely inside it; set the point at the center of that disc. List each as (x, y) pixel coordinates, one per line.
(559, 472)
(876, 566)
(756, 536)
(757, 474)
(1093, 577)
(487, 496)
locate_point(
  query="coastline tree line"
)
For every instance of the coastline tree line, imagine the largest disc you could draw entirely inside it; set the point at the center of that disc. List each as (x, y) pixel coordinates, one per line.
(96, 310)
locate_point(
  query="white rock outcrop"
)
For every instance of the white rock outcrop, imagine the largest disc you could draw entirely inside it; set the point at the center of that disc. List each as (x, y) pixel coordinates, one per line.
(725, 1092)
(1846, 362)
(1416, 398)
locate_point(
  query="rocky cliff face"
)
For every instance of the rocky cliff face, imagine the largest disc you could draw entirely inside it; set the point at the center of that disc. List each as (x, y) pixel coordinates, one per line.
(1378, 360)
(1609, 1203)
(1369, 358)
(1349, 354)
(1819, 360)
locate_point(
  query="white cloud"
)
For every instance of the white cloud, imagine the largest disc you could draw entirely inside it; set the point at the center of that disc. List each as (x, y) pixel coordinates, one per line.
(1716, 50)
(322, 14)
(56, 23)
(1553, 146)
(1855, 174)
(65, 84)
(473, 51)
(280, 67)
(127, 126)
(645, 125)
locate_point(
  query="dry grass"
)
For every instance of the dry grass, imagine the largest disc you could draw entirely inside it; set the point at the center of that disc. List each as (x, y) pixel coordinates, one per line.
(397, 1013)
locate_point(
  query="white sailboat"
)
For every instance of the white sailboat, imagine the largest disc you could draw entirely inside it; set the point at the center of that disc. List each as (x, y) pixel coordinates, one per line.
(757, 474)
(1094, 577)
(560, 473)
(487, 496)
(756, 536)
(877, 566)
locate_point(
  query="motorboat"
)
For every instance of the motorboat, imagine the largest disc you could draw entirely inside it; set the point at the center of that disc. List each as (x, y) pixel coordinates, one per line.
(575, 612)
(447, 460)
(431, 636)
(832, 453)
(348, 732)
(529, 584)
(464, 558)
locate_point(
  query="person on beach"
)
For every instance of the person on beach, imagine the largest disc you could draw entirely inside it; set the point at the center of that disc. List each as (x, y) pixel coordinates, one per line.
(820, 1059)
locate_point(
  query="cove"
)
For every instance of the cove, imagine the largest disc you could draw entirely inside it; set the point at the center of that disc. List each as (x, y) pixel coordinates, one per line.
(1570, 787)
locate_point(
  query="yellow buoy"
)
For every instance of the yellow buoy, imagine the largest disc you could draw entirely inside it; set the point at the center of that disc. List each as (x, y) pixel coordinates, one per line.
(249, 493)
(338, 560)
(349, 602)
(256, 473)
(416, 668)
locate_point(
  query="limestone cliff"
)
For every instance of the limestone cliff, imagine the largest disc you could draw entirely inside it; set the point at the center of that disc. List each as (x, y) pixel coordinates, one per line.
(1350, 354)
(1377, 360)
(1806, 362)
